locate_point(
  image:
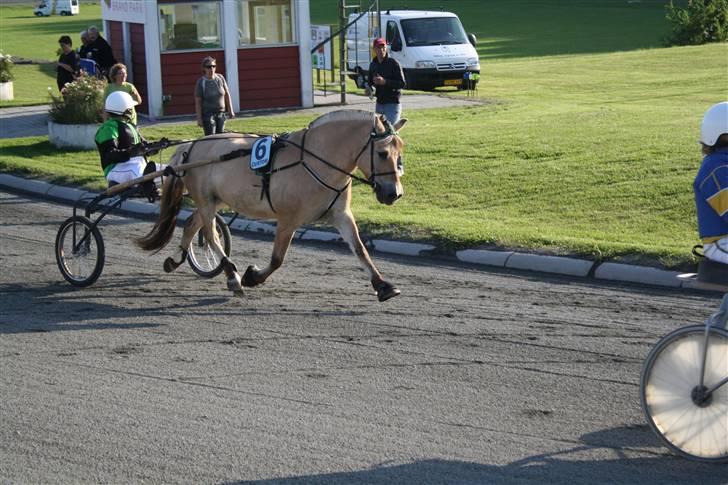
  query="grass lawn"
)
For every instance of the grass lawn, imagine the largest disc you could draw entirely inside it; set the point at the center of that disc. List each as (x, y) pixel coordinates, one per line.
(36, 39)
(589, 152)
(24, 35)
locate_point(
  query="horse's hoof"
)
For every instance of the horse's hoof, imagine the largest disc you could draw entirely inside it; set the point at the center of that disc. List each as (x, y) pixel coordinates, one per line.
(249, 276)
(387, 291)
(233, 283)
(169, 265)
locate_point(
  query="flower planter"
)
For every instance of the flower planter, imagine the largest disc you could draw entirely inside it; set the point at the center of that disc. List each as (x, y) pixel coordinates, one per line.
(72, 136)
(6, 91)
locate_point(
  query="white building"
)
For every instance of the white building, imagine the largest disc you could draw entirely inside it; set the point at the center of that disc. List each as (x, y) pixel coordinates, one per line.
(262, 47)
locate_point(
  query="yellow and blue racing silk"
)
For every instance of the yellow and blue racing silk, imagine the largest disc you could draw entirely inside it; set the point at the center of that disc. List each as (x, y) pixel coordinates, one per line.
(711, 196)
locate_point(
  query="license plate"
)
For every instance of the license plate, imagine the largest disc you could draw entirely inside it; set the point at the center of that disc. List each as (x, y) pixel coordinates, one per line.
(453, 82)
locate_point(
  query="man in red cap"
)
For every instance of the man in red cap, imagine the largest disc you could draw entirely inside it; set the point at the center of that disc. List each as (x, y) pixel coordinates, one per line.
(386, 76)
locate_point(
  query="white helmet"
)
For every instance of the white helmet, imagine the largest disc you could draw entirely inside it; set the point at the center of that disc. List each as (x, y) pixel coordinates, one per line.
(715, 123)
(118, 103)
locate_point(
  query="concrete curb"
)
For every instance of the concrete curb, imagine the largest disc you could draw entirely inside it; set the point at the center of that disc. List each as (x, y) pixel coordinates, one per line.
(500, 259)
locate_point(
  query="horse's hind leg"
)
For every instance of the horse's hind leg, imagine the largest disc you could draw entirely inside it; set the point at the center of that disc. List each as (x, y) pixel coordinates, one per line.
(344, 222)
(254, 276)
(207, 217)
(193, 224)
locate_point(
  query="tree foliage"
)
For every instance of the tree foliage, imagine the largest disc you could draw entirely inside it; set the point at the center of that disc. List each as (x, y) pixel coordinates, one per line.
(700, 22)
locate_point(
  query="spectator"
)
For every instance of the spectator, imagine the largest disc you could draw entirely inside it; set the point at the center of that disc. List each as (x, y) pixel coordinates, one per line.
(387, 78)
(711, 184)
(212, 99)
(117, 74)
(84, 52)
(100, 50)
(67, 66)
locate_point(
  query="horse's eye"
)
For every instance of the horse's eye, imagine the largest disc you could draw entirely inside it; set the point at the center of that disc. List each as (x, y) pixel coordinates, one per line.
(383, 155)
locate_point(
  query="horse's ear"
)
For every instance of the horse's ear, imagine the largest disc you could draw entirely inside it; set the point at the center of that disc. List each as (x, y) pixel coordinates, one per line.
(400, 124)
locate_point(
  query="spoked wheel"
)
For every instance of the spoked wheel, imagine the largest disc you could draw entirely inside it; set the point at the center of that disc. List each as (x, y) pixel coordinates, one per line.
(690, 420)
(79, 251)
(202, 258)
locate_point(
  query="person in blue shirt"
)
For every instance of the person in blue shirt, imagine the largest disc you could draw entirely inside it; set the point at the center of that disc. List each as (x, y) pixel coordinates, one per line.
(711, 184)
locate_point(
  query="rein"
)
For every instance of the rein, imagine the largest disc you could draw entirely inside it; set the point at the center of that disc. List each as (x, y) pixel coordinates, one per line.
(373, 137)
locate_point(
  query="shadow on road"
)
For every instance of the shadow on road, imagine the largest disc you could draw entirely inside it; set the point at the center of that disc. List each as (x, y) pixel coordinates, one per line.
(567, 466)
(57, 307)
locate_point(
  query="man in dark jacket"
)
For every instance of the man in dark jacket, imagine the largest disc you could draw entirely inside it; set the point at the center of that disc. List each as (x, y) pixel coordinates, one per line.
(386, 76)
(100, 50)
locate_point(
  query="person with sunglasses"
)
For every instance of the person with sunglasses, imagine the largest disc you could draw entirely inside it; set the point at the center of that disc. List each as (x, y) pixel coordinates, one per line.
(212, 99)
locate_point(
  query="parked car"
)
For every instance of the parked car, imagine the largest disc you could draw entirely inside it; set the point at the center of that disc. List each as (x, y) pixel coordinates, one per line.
(432, 47)
(61, 7)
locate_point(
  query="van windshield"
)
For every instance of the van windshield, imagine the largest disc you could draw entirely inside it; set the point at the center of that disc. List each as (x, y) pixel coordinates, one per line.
(433, 31)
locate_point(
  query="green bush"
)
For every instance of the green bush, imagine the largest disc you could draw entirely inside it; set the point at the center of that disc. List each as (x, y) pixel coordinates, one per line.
(6, 68)
(700, 22)
(81, 102)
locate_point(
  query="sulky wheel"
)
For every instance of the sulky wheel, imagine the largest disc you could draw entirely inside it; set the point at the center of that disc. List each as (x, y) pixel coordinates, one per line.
(200, 255)
(690, 419)
(79, 251)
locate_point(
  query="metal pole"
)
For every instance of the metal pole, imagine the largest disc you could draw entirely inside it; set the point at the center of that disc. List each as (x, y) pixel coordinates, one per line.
(379, 18)
(342, 50)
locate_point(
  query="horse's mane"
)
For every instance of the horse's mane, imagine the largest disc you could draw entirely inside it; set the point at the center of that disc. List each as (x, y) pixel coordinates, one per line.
(341, 115)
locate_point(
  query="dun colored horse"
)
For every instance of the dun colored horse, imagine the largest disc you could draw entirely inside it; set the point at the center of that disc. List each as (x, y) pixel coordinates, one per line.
(307, 178)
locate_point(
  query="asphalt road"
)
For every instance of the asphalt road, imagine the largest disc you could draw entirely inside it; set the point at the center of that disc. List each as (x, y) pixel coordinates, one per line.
(470, 376)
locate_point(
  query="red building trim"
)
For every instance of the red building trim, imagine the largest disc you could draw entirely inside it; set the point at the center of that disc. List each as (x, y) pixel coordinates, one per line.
(269, 77)
(116, 39)
(180, 72)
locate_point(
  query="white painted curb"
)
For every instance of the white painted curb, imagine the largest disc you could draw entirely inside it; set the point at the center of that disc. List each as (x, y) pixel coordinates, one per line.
(67, 193)
(403, 248)
(320, 236)
(550, 264)
(484, 256)
(637, 274)
(28, 185)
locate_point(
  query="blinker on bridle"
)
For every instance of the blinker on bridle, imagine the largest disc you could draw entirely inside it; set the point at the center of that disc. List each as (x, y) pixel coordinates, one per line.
(374, 136)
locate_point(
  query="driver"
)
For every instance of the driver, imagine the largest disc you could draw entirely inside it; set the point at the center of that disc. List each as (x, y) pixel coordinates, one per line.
(121, 148)
(711, 184)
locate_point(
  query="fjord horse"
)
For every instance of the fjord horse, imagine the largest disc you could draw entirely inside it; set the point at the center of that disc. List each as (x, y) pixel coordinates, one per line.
(309, 177)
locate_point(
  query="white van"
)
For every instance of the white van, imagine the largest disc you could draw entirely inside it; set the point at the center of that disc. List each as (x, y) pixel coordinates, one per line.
(61, 7)
(432, 47)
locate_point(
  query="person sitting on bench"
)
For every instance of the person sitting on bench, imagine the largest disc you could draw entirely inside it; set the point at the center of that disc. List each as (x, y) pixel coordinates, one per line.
(711, 184)
(121, 148)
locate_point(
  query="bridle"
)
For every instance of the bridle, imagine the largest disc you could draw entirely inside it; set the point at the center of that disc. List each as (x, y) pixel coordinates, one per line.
(373, 137)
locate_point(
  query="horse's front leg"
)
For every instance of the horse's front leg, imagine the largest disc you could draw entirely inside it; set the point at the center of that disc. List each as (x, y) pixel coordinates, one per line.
(344, 222)
(284, 234)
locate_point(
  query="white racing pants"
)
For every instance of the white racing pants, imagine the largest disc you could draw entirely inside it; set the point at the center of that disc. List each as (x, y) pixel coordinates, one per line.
(717, 251)
(130, 170)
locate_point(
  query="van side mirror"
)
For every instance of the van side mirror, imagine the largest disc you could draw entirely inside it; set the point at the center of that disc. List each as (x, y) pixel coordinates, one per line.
(472, 39)
(396, 45)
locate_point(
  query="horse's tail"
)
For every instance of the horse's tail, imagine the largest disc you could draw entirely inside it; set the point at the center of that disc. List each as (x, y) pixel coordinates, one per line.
(169, 207)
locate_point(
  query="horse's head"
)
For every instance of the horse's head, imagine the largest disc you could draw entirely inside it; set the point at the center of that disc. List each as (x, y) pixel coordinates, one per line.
(381, 159)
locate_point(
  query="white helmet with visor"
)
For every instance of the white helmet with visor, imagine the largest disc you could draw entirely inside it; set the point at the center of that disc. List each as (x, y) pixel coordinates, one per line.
(119, 103)
(715, 124)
